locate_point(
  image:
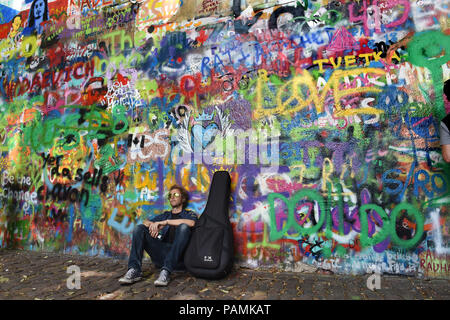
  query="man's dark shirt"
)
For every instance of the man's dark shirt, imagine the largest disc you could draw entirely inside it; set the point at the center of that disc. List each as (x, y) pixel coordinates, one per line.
(168, 232)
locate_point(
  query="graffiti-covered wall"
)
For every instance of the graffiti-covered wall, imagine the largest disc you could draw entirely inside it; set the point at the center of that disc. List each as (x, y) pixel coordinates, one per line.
(325, 113)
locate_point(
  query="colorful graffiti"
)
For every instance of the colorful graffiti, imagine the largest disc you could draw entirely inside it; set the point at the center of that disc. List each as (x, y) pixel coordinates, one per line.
(325, 113)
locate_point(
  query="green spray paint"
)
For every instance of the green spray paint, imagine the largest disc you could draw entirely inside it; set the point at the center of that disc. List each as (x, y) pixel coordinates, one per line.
(340, 208)
(291, 222)
(107, 153)
(366, 241)
(423, 51)
(40, 134)
(419, 225)
(389, 225)
(387, 229)
(328, 231)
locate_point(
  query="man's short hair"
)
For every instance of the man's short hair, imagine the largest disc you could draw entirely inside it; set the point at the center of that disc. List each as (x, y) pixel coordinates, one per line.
(184, 194)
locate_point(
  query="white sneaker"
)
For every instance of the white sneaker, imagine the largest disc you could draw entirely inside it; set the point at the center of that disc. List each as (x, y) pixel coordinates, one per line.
(163, 279)
(131, 276)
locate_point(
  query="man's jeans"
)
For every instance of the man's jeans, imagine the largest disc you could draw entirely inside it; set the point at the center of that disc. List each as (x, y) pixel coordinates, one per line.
(163, 254)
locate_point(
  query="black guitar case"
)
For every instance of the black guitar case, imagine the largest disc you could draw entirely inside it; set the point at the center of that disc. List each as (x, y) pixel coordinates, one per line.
(210, 252)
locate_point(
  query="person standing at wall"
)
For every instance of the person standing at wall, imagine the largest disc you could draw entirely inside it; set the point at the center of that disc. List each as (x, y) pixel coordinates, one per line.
(164, 238)
(444, 128)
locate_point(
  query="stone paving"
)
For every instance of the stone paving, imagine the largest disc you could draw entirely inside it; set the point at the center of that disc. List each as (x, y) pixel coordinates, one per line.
(31, 275)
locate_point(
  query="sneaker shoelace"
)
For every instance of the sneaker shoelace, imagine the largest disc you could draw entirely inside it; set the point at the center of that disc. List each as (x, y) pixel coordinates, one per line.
(164, 276)
(131, 273)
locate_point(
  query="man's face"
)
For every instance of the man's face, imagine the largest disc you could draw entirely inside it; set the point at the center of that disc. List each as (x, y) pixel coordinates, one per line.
(175, 198)
(39, 8)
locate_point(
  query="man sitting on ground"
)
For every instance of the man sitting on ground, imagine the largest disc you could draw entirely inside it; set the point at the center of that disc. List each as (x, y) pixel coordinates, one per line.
(164, 238)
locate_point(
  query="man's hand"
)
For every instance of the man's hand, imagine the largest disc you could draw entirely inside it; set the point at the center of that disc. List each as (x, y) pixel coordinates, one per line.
(155, 227)
(152, 228)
